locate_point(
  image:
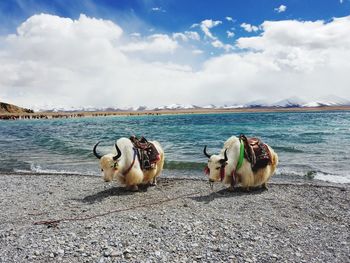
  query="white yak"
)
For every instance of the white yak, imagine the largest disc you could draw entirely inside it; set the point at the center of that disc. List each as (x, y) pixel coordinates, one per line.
(125, 166)
(232, 168)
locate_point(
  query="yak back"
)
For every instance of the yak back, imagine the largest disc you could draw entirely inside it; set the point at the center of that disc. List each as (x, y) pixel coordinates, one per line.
(256, 152)
(146, 151)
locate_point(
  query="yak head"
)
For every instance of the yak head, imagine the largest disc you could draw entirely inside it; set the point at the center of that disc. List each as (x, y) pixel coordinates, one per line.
(215, 168)
(108, 163)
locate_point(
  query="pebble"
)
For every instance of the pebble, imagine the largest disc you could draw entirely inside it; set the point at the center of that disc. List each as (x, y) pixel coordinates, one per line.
(230, 227)
(116, 253)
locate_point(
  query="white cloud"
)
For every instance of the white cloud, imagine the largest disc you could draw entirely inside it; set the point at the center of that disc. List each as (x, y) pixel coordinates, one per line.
(230, 34)
(157, 43)
(218, 44)
(341, 1)
(281, 9)
(249, 27)
(135, 35)
(197, 51)
(206, 25)
(180, 36)
(158, 9)
(187, 35)
(57, 61)
(192, 35)
(228, 18)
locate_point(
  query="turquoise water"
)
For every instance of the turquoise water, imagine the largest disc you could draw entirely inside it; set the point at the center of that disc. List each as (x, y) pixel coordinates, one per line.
(307, 143)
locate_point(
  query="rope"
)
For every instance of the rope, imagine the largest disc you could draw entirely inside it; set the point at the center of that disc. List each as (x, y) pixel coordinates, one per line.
(55, 222)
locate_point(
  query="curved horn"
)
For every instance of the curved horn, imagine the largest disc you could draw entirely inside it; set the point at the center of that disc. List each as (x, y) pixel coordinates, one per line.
(205, 152)
(95, 153)
(119, 153)
(225, 155)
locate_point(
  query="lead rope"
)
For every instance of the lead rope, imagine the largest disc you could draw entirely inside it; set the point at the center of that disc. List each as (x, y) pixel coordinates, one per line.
(55, 222)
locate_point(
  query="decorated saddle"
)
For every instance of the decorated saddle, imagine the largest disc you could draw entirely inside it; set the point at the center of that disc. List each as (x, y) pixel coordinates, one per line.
(146, 152)
(256, 152)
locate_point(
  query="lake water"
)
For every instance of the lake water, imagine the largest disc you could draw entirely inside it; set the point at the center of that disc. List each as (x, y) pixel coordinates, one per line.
(307, 142)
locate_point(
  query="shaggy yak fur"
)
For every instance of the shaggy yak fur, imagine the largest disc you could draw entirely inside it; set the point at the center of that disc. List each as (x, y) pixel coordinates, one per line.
(116, 169)
(245, 176)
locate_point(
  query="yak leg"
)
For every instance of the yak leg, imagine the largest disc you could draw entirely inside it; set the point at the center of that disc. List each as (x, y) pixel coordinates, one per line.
(154, 181)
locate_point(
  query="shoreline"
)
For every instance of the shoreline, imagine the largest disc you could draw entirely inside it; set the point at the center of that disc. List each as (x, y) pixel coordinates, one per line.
(179, 220)
(55, 115)
(280, 179)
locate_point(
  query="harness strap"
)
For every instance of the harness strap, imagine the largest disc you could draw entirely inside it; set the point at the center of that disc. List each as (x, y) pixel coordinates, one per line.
(132, 164)
(239, 163)
(241, 155)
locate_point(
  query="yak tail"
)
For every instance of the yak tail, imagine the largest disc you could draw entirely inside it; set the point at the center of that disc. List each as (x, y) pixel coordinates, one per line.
(274, 159)
(161, 162)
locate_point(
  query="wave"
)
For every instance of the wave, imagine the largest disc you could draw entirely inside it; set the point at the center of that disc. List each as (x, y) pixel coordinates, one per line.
(287, 149)
(311, 174)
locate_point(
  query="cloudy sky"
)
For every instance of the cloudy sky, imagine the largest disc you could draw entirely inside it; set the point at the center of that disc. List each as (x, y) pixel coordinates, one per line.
(104, 53)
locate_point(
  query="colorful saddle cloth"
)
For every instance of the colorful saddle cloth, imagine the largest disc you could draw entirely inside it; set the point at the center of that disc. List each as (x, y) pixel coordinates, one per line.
(146, 152)
(256, 152)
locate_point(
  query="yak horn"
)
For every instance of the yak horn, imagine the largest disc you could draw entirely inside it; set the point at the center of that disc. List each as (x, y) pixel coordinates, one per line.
(225, 155)
(119, 153)
(95, 153)
(205, 152)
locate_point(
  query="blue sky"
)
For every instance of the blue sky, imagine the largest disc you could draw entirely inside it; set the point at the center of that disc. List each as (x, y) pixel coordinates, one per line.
(187, 51)
(174, 15)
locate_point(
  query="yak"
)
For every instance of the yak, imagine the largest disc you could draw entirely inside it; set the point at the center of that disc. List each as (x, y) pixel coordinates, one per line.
(125, 166)
(233, 165)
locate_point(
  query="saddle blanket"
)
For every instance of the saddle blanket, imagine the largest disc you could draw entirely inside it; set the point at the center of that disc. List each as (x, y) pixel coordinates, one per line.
(256, 152)
(146, 152)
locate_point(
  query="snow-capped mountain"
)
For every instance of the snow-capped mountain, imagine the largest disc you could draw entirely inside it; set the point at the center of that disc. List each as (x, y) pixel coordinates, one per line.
(293, 102)
(330, 100)
(257, 104)
(289, 103)
(177, 107)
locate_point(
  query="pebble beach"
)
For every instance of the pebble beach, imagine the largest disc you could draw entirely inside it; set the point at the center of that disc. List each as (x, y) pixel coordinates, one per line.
(75, 218)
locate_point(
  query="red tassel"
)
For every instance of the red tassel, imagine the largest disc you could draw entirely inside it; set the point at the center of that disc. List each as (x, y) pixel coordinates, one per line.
(206, 170)
(222, 173)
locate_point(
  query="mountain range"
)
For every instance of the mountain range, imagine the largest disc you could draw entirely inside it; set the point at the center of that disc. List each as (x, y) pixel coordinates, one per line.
(293, 102)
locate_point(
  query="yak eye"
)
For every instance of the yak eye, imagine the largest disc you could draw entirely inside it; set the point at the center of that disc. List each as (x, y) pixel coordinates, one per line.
(101, 170)
(217, 168)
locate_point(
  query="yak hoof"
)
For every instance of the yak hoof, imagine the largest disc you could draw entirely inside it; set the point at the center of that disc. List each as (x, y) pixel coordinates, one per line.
(133, 188)
(231, 188)
(153, 183)
(264, 186)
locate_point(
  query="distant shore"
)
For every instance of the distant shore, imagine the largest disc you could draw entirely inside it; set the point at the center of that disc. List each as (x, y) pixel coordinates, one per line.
(76, 218)
(56, 115)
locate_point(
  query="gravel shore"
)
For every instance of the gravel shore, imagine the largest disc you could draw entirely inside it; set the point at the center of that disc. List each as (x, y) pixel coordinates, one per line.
(180, 220)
